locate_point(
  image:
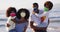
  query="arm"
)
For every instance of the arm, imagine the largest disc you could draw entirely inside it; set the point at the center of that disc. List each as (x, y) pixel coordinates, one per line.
(8, 22)
(43, 18)
(32, 26)
(25, 29)
(13, 20)
(37, 28)
(40, 15)
(16, 20)
(8, 25)
(26, 26)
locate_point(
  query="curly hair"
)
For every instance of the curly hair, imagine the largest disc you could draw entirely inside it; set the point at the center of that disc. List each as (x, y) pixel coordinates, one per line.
(23, 10)
(9, 10)
(49, 4)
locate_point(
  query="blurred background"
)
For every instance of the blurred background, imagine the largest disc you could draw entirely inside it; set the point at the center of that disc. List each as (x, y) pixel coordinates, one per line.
(54, 16)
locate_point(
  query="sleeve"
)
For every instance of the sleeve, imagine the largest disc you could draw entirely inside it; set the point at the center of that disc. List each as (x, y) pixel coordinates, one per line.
(41, 11)
(13, 17)
(9, 19)
(35, 19)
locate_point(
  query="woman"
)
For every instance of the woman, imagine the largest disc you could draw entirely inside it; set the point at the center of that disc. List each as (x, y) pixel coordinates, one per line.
(22, 23)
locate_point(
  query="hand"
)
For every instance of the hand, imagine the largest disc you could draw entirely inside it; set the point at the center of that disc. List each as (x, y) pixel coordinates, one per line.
(43, 18)
(8, 25)
(33, 12)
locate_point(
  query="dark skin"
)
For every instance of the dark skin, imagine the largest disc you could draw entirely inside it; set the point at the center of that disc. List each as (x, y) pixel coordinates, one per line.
(25, 29)
(22, 20)
(37, 28)
(43, 18)
(8, 25)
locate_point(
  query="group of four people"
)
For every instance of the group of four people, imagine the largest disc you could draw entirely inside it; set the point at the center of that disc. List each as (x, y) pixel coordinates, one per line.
(18, 21)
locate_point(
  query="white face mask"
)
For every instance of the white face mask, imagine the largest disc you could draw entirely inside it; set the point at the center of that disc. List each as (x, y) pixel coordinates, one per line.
(23, 14)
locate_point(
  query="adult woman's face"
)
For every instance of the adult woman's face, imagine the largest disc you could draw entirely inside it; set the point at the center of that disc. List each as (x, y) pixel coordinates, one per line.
(23, 14)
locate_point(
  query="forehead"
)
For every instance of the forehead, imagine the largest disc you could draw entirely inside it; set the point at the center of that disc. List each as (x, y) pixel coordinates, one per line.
(12, 11)
(34, 5)
(22, 12)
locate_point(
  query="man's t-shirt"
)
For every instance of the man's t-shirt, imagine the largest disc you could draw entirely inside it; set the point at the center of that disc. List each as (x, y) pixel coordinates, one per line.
(37, 20)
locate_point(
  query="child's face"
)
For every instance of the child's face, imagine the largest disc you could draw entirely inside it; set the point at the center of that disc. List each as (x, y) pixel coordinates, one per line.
(46, 9)
(12, 14)
(47, 6)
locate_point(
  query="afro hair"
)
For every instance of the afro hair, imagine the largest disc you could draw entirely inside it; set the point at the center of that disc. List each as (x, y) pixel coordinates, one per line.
(49, 4)
(23, 10)
(9, 10)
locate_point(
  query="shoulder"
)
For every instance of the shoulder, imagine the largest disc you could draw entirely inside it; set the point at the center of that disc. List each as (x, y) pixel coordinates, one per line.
(17, 18)
(41, 11)
(33, 15)
(9, 17)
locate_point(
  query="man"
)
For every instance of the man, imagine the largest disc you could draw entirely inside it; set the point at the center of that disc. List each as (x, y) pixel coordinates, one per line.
(43, 18)
(35, 19)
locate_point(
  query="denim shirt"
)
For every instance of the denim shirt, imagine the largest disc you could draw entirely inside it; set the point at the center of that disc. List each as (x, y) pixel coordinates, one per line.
(20, 27)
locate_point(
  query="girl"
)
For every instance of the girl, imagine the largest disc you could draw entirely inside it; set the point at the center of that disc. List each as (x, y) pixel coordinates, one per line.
(11, 14)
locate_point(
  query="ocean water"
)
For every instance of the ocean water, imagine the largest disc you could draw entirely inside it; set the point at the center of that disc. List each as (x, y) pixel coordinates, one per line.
(54, 26)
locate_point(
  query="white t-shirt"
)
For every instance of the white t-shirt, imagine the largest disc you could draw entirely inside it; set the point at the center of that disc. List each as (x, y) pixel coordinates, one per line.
(36, 19)
(11, 23)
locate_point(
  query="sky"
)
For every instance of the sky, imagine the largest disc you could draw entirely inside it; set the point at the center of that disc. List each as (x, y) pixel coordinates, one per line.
(4, 4)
